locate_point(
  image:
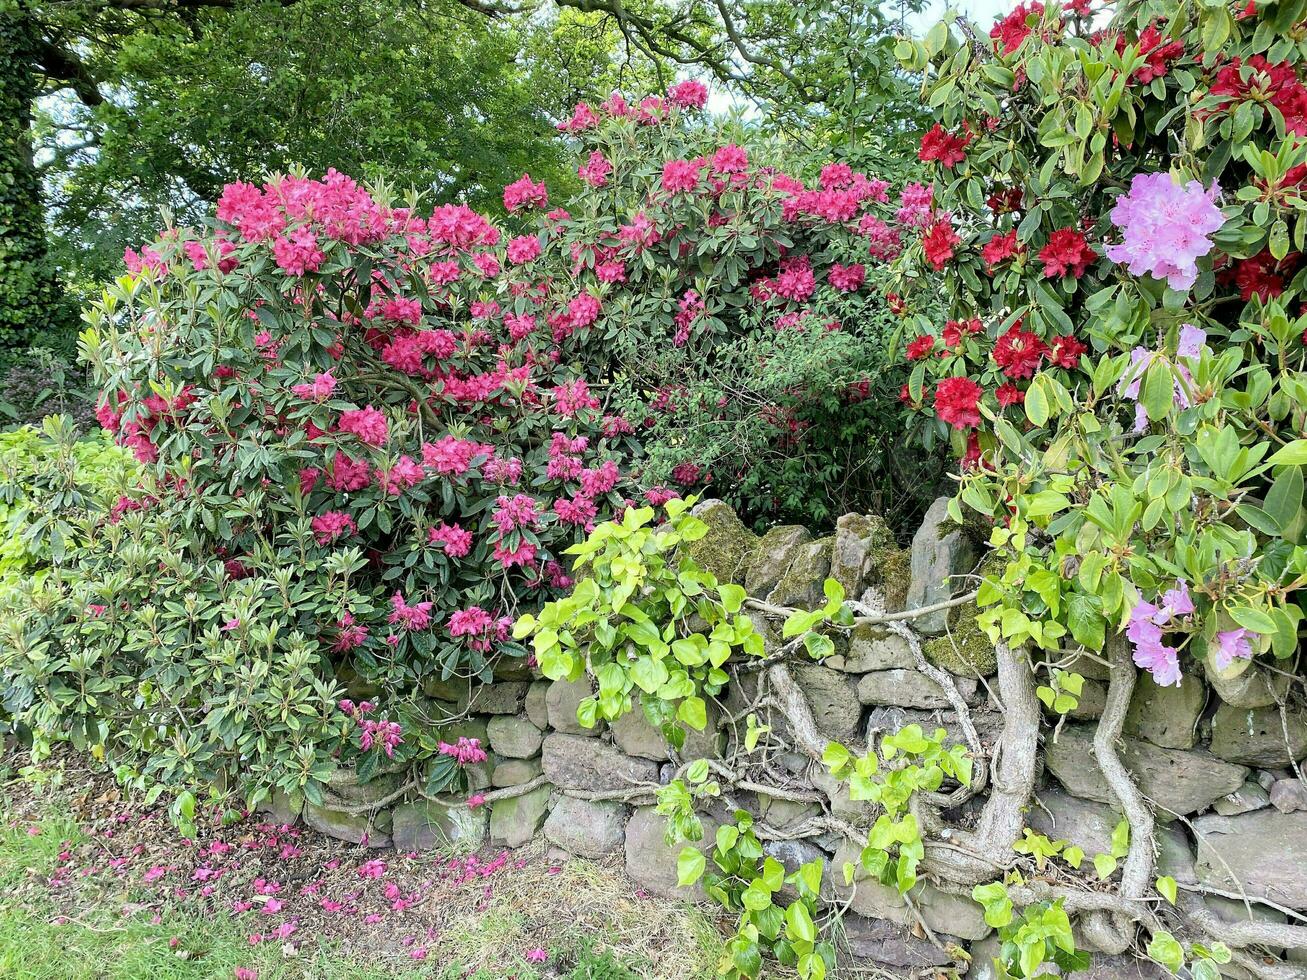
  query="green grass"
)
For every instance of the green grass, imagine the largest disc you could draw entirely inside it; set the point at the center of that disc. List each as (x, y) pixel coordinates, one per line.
(78, 932)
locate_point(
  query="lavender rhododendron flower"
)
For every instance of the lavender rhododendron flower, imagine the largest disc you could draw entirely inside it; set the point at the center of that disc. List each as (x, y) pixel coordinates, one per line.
(1231, 644)
(1190, 347)
(1165, 227)
(1145, 630)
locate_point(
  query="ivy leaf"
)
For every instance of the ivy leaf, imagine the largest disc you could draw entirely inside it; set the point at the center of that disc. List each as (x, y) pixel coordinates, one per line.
(649, 674)
(1073, 856)
(1166, 950)
(689, 866)
(694, 713)
(732, 597)
(1104, 865)
(819, 647)
(1166, 888)
(798, 923)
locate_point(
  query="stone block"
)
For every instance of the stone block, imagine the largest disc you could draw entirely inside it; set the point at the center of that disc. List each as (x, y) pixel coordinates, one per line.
(587, 829)
(1185, 782)
(910, 689)
(499, 698)
(515, 820)
(776, 551)
(588, 764)
(513, 736)
(561, 702)
(938, 553)
(515, 772)
(1264, 852)
(833, 698)
(1257, 736)
(651, 863)
(727, 548)
(446, 824)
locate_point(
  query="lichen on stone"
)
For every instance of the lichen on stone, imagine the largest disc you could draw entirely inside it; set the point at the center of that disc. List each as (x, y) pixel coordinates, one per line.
(965, 649)
(802, 583)
(890, 572)
(727, 548)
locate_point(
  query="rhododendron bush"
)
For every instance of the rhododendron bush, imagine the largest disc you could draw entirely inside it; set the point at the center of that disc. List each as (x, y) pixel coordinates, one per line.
(360, 463)
(1121, 369)
(690, 270)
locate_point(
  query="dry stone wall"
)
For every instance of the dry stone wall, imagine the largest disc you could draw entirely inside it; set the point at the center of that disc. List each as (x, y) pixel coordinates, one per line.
(1217, 758)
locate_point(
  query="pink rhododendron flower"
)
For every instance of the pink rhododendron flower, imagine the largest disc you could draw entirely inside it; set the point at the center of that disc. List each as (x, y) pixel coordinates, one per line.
(319, 390)
(1165, 227)
(466, 751)
(681, 175)
(415, 617)
(1231, 645)
(523, 194)
(688, 94)
(332, 525)
(457, 542)
(366, 423)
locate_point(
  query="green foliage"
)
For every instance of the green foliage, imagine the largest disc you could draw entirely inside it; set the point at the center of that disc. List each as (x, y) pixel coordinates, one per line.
(627, 623)
(745, 880)
(1169, 453)
(50, 481)
(800, 428)
(31, 301)
(909, 762)
(1038, 936)
(1201, 962)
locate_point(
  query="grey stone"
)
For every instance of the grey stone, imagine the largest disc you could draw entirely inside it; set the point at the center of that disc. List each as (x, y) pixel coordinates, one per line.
(576, 762)
(833, 697)
(513, 669)
(651, 862)
(876, 648)
(513, 736)
(841, 805)
(283, 808)
(1256, 736)
(802, 585)
(515, 820)
(784, 814)
(561, 703)
(1265, 852)
(1083, 823)
(1166, 716)
(587, 829)
(515, 772)
(499, 698)
(1101, 966)
(455, 690)
(636, 736)
(910, 689)
(1175, 854)
(936, 556)
(1247, 798)
(344, 786)
(537, 704)
(728, 547)
(1184, 782)
(942, 911)
(794, 854)
(353, 828)
(441, 824)
(884, 942)
(1252, 688)
(1289, 795)
(857, 537)
(776, 550)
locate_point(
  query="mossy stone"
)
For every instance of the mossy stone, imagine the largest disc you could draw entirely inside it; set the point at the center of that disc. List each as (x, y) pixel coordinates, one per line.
(890, 572)
(965, 650)
(728, 547)
(802, 584)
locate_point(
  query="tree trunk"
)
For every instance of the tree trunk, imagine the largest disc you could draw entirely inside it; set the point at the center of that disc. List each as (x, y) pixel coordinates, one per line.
(31, 299)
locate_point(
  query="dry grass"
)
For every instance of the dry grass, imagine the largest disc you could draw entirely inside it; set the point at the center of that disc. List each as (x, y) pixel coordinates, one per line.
(81, 864)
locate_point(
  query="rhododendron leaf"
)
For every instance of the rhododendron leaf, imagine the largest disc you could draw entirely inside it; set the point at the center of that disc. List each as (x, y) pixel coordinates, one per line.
(1294, 454)
(1158, 390)
(1253, 619)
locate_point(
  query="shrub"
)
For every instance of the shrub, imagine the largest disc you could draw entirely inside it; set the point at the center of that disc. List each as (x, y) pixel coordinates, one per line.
(49, 480)
(1131, 399)
(716, 277)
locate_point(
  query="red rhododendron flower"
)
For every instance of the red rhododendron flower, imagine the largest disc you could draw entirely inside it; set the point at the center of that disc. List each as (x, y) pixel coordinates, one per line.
(947, 148)
(1009, 32)
(957, 401)
(955, 330)
(1262, 276)
(1009, 394)
(1018, 352)
(920, 347)
(1066, 254)
(939, 242)
(1067, 351)
(1159, 54)
(1000, 248)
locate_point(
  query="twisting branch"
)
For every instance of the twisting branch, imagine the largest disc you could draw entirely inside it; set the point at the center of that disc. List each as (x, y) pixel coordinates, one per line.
(1115, 934)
